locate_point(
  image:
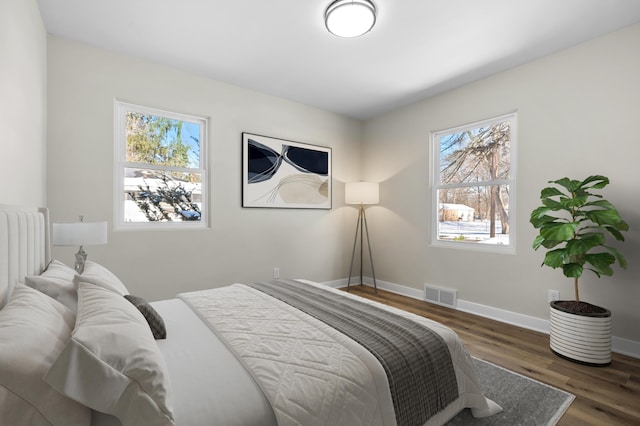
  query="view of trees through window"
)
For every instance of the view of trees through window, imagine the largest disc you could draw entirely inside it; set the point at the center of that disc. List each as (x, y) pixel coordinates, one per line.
(473, 185)
(162, 176)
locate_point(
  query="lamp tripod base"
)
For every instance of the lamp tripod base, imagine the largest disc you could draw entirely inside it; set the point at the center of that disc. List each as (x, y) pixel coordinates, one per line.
(362, 228)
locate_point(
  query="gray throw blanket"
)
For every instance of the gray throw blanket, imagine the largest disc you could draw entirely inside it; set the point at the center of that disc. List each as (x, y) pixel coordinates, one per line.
(416, 360)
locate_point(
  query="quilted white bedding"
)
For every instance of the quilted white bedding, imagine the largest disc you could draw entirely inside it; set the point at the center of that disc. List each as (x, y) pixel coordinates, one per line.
(312, 374)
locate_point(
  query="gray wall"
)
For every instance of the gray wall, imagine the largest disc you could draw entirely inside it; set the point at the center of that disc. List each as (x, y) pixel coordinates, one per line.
(577, 115)
(577, 111)
(242, 244)
(23, 100)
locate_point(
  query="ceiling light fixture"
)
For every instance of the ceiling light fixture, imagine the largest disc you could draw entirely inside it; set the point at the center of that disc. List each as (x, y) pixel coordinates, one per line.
(350, 18)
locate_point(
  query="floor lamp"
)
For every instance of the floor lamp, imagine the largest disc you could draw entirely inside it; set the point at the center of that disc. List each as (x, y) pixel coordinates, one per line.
(362, 193)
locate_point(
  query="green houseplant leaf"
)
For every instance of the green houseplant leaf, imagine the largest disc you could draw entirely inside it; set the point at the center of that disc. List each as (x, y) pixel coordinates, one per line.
(573, 222)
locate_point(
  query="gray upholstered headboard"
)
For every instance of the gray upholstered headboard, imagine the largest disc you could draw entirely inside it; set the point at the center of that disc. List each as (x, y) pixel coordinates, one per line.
(24, 245)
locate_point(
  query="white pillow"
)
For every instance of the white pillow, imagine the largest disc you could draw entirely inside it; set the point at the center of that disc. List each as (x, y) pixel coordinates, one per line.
(112, 363)
(34, 329)
(57, 282)
(97, 274)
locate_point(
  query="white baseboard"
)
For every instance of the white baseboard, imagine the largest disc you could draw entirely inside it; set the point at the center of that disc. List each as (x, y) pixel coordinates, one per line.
(625, 346)
(502, 315)
(618, 344)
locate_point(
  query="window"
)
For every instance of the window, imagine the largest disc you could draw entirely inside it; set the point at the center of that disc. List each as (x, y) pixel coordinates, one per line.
(474, 186)
(161, 174)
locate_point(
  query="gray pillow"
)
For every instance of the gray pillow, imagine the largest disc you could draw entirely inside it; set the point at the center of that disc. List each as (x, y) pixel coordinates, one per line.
(155, 321)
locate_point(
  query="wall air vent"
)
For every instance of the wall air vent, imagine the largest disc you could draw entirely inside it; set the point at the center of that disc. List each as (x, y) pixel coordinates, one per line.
(441, 295)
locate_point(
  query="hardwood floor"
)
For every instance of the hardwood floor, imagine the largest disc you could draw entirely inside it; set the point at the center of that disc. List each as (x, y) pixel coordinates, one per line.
(604, 395)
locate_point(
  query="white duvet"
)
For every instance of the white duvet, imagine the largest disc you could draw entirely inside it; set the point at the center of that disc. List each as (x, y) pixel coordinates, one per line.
(312, 374)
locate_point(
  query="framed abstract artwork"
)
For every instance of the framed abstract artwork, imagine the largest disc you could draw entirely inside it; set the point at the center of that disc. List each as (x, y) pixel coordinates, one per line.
(278, 173)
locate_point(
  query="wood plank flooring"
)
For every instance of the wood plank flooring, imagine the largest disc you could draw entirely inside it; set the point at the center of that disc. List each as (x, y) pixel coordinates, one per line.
(604, 395)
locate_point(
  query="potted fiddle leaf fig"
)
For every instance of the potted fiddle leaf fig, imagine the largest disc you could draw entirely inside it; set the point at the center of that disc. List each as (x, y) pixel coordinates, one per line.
(574, 223)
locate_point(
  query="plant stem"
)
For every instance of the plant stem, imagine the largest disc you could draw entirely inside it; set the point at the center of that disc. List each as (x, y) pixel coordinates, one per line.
(575, 287)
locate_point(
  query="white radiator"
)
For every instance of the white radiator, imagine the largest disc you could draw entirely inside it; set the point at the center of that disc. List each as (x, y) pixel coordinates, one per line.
(441, 295)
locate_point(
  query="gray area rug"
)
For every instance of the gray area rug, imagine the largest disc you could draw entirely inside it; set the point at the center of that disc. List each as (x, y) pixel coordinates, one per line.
(525, 402)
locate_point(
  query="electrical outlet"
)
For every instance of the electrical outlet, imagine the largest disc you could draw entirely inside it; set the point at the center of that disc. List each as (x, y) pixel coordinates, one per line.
(553, 295)
(276, 272)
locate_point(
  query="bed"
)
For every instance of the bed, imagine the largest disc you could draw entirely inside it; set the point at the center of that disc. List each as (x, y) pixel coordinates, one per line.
(80, 350)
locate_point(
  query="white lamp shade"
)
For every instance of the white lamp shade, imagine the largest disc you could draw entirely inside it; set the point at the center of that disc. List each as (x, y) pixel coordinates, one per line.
(79, 233)
(350, 18)
(361, 193)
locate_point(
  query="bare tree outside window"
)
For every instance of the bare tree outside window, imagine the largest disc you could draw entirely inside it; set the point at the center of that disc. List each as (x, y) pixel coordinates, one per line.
(473, 182)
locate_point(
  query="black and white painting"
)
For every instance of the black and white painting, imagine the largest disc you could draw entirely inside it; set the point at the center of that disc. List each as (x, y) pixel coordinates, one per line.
(283, 174)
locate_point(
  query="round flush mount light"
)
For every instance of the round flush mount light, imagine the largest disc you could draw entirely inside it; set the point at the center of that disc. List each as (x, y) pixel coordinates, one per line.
(350, 18)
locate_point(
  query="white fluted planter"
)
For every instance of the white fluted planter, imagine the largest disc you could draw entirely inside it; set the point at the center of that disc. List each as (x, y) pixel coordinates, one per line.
(579, 337)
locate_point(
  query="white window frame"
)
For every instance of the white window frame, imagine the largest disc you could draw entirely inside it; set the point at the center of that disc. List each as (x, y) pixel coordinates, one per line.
(434, 154)
(120, 110)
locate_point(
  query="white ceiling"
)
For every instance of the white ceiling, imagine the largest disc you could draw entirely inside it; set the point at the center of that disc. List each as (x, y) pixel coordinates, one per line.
(417, 49)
